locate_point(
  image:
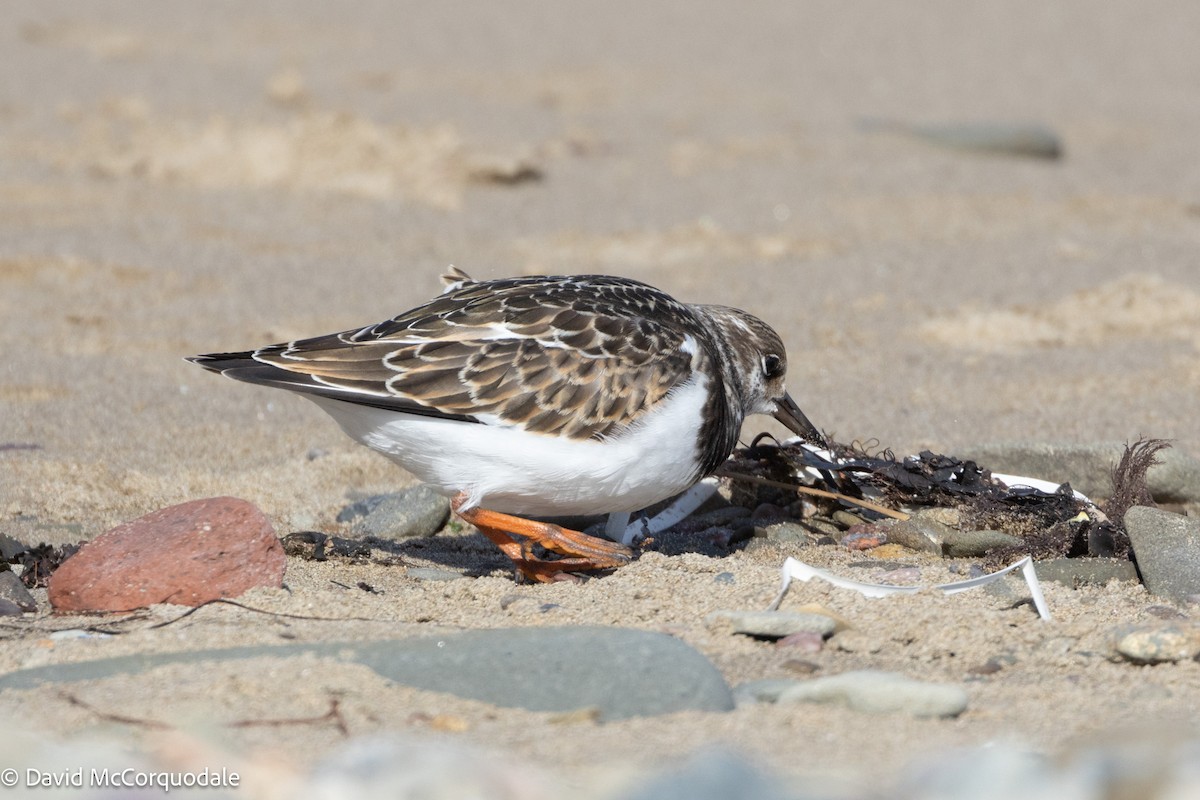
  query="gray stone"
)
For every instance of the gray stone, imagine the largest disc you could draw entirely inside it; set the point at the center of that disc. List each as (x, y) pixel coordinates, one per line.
(432, 574)
(1085, 571)
(845, 519)
(880, 692)
(1167, 549)
(14, 591)
(1088, 467)
(919, 532)
(415, 511)
(8, 608)
(766, 690)
(1157, 643)
(773, 624)
(969, 544)
(10, 547)
(712, 773)
(1023, 140)
(621, 672)
(784, 533)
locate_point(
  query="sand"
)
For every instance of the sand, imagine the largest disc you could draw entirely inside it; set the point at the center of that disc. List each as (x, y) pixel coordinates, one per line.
(176, 180)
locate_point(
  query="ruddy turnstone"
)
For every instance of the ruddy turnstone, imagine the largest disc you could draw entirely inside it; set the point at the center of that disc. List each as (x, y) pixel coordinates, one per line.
(542, 396)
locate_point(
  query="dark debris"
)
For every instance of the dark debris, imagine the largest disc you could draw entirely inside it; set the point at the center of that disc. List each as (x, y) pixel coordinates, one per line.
(39, 563)
(1048, 522)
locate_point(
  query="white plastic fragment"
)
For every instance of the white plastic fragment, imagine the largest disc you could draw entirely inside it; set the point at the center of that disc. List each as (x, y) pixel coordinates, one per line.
(1049, 487)
(794, 569)
(676, 512)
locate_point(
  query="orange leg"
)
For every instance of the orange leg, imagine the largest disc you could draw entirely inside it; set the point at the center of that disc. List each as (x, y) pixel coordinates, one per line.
(582, 552)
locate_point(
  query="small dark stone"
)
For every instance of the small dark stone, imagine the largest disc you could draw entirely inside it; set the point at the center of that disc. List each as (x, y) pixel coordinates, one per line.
(845, 519)
(724, 577)
(13, 591)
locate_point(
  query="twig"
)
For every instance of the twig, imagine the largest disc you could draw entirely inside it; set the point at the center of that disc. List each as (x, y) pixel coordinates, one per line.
(867, 504)
(334, 715)
(222, 600)
(110, 717)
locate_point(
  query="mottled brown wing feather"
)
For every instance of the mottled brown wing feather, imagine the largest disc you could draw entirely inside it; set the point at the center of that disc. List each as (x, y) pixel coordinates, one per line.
(542, 357)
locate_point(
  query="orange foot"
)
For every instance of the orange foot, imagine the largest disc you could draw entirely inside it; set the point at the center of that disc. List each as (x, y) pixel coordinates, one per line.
(580, 552)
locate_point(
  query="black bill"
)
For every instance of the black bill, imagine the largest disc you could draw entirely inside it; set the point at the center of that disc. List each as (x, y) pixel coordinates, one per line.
(793, 418)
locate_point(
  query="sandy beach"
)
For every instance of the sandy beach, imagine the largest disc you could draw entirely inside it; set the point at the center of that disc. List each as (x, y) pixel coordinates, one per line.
(178, 180)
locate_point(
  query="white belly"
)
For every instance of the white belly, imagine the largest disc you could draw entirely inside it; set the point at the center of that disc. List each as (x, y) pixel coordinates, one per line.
(506, 469)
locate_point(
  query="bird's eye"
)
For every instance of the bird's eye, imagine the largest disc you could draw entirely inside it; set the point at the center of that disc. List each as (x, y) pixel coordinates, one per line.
(772, 366)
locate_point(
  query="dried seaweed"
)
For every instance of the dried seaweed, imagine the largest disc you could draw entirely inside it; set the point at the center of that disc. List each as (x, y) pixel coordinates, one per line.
(1129, 478)
(39, 563)
(1050, 523)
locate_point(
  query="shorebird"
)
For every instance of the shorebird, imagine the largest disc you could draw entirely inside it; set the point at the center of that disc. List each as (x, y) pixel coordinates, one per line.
(543, 396)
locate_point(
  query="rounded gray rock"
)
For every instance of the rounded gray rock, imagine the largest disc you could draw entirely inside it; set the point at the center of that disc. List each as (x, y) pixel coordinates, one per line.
(1085, 571)
(622, 672)
(618, 671)
(1167, 549)
(773, 624)
(12, 590)
(412, 512)
(876, 692)
(969, 544)
(1157, 644)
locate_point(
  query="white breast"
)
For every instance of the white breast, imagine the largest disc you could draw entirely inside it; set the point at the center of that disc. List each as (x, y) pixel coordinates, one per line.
(507, 469)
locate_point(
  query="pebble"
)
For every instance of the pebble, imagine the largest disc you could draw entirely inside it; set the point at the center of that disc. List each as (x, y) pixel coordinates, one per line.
(1075, 572)
(10, 548)
(772, 624)
(186, 554)
(1167, 549)
(845, 519)
(969, 544)
(784, 533)
(8, 608)
(433, 574)
(1088, 467)
(992, 138)
(413, 512)
(876, 692)
(1157, 643)
(12, 590)
(919, 532)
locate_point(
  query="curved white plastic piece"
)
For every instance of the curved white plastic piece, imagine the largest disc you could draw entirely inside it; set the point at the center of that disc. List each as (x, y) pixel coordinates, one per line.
(806, 572)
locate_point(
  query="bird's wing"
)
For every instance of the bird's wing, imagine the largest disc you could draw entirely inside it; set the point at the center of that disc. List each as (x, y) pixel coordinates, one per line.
(583, 358)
